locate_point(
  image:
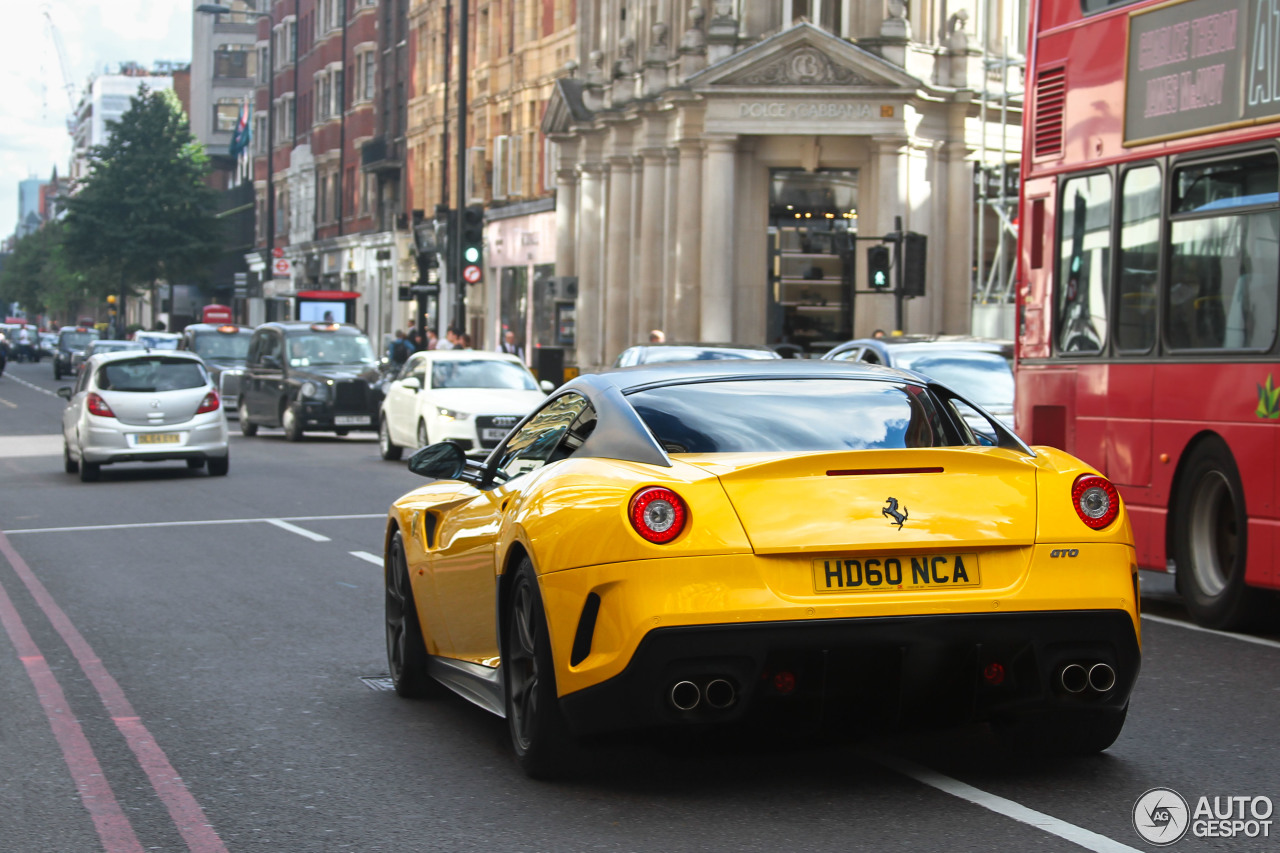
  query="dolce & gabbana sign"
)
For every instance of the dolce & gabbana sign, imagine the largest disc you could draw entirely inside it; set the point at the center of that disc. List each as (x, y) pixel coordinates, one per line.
(806, 111)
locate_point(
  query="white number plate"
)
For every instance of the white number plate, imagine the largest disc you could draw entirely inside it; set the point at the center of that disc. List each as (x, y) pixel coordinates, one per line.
(491, 434)
(350, 420)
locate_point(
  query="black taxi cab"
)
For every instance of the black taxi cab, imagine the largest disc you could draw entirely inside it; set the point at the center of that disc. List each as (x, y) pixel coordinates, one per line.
(309, 377)
(223, 347)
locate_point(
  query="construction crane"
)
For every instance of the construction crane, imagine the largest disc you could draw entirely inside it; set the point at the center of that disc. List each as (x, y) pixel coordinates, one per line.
(69, 87)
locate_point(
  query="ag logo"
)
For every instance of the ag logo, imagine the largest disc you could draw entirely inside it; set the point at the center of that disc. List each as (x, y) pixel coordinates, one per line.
(1161, 816)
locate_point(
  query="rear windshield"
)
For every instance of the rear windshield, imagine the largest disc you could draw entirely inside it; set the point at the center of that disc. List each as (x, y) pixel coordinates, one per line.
(762, 415)
(150, 375)
(481, 373)
(677, 353)
(78, 340)
(984, 377)
(222, 345)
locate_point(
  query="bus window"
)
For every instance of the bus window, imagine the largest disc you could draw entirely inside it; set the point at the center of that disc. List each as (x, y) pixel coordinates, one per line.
(1223, 266)
(1139, 256)
(1084, 268)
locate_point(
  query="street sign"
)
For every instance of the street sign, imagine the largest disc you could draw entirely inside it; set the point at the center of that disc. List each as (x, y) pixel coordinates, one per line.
(282, 268)
(471, 273)
(277, 252)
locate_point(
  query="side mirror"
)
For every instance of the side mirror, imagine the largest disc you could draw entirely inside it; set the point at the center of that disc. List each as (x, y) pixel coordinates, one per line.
(547, 385)
(65, 393)
(442, 461)
(270, 361)
(413, 383)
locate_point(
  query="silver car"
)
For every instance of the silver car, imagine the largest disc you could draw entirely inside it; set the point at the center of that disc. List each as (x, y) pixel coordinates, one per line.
(143, 407)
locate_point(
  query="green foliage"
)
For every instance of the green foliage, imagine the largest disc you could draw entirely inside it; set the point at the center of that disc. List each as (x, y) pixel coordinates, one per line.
(1268, 401)
(144, 212)
(38, 275)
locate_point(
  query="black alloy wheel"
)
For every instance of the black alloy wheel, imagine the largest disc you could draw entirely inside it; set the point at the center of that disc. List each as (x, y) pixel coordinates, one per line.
(406, 649)
(1211, 543)
(389, 450)
(291, 420)
(539, 733)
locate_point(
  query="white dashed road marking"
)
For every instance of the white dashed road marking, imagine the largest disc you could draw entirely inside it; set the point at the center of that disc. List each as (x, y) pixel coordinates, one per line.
(301, 531)
(367, 557)
(32, 386)
(1244, 638)
(196, 523)
(1086, 838)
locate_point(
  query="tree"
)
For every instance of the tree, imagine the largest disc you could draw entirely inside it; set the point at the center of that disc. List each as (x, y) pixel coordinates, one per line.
(38, 276)
(144, 212)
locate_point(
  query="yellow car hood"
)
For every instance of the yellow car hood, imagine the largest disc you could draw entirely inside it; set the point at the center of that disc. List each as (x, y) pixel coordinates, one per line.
(951, 498)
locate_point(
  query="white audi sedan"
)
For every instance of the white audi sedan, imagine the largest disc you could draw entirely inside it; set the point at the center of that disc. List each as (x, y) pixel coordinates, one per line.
(139, 406)
(470, 397)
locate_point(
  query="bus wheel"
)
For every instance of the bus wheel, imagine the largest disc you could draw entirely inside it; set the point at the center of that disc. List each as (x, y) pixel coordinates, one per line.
(1211, 541)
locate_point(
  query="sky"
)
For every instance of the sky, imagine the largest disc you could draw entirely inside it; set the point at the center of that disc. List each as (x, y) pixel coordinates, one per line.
(98, 35)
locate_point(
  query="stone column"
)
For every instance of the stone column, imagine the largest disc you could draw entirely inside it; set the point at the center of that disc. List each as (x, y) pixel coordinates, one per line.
(892, 199)
(669, 237)
(646, 291)
(566, 215)
(590, 332)
(952, 250)
(617, 317)
(684, 309)
(717, 238)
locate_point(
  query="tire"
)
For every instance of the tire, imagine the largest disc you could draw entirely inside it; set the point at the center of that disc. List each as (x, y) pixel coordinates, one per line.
(1211, 543)
(195, 464)
(247, 427)
(341, 432)
(69, 465)
(90, 472)
(57, 371)
(1062, 733)
(406, 649)
(390, 450)
(219, 467)
(423, 440)
(291, 422)
(539, 733)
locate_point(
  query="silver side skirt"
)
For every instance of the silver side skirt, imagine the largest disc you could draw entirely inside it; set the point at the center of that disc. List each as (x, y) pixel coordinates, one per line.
(478, 684)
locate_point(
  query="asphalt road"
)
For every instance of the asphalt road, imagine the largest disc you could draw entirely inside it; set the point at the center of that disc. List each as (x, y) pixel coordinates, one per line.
(191, 662)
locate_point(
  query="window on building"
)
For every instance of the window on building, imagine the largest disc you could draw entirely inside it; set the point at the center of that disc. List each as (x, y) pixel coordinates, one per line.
(263, 66)
(366, 75)
(323, 98)
(322, 196)
(260, 133)
(337, 88)
(233, 61)
(1084, 265)
(226, 114)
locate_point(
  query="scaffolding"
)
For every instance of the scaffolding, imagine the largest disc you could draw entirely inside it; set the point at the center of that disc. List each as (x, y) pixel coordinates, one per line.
(996, 285)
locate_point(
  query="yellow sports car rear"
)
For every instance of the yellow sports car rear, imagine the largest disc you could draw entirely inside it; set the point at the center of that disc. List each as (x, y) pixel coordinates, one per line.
(697, 545)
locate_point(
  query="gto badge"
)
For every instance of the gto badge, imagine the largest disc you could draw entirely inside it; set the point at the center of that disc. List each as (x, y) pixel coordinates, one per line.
(890, 511)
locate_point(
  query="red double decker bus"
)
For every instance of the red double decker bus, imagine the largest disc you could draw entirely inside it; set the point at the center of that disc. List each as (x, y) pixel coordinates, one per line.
(1149, 258)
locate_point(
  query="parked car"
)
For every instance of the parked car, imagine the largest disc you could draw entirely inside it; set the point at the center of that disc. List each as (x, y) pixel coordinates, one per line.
(470, 397)
(692, 545)
(224, 347)
(72, 343)
(309, 377)
(139, 406)
(979, 368)
(654, 353)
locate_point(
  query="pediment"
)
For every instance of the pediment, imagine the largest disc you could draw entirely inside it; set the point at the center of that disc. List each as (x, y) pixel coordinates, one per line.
(565, 107)
(804, 56)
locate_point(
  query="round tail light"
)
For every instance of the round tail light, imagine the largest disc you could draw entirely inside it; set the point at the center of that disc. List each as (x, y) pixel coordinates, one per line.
(1096, 501)
(210, 403)
(658, 514)
(98, 406)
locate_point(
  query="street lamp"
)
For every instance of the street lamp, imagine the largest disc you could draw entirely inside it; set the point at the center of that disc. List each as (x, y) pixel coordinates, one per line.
(217, 9)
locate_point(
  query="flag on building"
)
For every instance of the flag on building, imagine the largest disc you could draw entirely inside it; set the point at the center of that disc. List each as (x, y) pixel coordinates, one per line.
(243, 133)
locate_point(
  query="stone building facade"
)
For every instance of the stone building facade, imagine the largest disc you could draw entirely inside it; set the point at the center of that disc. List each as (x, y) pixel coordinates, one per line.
(722, 167)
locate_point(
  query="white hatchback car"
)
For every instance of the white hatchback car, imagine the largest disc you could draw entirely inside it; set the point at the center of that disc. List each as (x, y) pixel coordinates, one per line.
(136, 406)
(470, 397)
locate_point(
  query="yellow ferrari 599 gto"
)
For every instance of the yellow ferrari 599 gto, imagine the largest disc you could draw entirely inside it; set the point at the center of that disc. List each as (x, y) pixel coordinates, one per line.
(702, 543)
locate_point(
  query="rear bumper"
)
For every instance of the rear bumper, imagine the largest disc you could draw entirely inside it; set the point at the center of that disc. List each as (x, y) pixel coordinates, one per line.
(206, 440)
(878, 671)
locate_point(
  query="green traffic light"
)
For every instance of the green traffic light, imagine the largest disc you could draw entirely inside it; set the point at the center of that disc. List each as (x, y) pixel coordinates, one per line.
(471, 255)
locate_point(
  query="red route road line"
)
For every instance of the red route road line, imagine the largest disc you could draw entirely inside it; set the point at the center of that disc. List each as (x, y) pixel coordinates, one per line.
(187, 815)
(113, 827)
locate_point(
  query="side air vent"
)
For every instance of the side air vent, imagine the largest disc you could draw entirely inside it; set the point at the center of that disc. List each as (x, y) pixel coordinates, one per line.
(1051, 102)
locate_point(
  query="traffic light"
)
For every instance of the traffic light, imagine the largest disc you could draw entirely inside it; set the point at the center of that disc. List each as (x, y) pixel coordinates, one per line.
(878, 267)
(471, 234)
(914, 247)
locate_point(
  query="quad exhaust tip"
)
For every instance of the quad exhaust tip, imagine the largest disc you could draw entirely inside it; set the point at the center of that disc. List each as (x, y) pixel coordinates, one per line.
(720, 694)
(685, 695)
(1102, 677)
(1074, 678)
